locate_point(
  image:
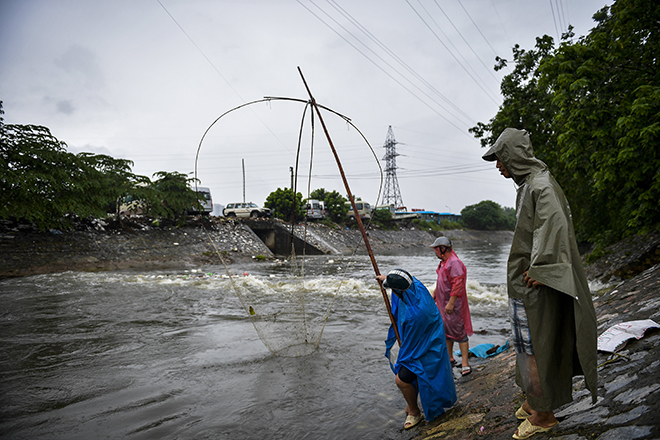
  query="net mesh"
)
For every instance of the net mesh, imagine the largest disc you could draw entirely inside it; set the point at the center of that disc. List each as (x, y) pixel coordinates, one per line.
(288, 314)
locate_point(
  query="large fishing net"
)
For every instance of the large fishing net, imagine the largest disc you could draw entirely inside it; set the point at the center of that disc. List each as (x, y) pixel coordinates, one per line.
(289, 312)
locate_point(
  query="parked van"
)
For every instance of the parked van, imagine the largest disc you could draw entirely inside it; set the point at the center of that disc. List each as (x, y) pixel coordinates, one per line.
(364, 210)
(315, 209)
(205, 201)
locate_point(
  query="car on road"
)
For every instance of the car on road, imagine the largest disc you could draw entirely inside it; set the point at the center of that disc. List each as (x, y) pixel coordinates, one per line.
(243, 210)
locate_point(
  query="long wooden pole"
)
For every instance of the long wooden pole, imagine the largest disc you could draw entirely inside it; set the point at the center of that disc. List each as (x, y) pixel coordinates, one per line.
(355, 210)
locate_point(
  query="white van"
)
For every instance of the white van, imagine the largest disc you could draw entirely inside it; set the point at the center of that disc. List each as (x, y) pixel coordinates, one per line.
(315, 209)
(205, 200)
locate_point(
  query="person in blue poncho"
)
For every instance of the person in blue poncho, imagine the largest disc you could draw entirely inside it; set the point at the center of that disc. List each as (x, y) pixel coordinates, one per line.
(422, 364)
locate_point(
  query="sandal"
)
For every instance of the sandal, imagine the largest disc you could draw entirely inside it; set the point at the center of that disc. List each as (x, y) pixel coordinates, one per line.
(521, 414)
(412, 420)
(453, 362)
(466, 370)
(526, 430)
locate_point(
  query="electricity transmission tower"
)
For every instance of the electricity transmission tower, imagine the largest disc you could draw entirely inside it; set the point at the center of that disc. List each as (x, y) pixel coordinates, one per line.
(392, 194)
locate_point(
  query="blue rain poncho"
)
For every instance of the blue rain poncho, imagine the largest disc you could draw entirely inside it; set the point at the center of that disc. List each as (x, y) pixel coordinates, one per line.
(423, 348)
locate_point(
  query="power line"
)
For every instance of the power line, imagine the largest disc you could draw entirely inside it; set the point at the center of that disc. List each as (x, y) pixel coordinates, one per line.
(501, 23)
(488, 69)
(405, 65)
(451, 53)
(476, 26)
(199, 49)
(380, 67)
(218, 71)
(554, 19)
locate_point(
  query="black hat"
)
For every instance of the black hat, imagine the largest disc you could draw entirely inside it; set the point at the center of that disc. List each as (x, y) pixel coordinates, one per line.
(398, 279)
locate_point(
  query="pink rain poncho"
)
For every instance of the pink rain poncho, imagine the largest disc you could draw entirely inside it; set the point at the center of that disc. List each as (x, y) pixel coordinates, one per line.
(452, 276)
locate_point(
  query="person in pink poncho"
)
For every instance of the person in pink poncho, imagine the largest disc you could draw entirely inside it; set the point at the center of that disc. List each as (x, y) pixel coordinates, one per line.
(451, 298)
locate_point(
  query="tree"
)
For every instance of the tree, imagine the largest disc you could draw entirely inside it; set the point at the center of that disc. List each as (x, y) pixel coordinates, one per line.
(172, 195)
(45, 184)
(510, 218)
(281, 201)
(486, 215)
(382, 216)
(334, 202)
(592, 108)
(608, 122)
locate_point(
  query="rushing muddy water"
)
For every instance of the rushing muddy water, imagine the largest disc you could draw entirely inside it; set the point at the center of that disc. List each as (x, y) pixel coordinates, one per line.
(174, 355)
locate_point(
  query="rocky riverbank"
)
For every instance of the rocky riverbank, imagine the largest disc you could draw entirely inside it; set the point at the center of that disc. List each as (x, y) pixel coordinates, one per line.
(628, 405)
(138, 243)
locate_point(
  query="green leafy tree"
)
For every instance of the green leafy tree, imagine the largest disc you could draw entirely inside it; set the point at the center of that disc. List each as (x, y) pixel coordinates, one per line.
(109, 178)
(382, 216)
(525, 104)
(598, 124)
(510, 218)
(43, 183)
(485, 215)
(281, 204)
(334, 202)
(318, 194)
(172, 195)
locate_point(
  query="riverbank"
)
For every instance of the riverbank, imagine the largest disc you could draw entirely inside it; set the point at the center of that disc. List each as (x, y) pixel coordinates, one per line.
(628, 276)
(139, 244)
(628, 405)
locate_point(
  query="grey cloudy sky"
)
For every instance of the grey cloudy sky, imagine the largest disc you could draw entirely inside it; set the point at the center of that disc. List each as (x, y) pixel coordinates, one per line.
(143, 80)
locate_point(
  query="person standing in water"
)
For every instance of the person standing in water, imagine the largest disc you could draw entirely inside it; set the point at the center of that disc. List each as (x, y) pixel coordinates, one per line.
(550, 307)
(450, 296)
(421, 364)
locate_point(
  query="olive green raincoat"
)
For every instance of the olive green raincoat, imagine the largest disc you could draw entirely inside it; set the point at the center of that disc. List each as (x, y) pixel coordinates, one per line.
(560, 313)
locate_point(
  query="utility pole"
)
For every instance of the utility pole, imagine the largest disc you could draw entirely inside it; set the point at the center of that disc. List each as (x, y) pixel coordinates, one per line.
(291, 171)
(392, 194)
(243, 162)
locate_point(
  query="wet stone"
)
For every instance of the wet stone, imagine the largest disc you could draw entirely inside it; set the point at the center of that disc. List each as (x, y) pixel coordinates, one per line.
(639, 355)
(619, 382)
(651, 304)
(569, 437)
(636, 395)
(651, 368)
(578, 406)
(626, 432)
(627, 416)
(593, 417)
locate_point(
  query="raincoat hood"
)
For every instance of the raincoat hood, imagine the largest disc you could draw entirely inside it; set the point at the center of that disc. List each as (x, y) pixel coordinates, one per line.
(514, 149)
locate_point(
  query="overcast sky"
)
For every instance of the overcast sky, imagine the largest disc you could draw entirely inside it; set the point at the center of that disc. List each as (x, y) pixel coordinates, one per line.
(144, 79)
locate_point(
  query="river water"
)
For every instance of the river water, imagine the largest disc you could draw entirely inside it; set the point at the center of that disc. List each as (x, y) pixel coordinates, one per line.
(174, 355)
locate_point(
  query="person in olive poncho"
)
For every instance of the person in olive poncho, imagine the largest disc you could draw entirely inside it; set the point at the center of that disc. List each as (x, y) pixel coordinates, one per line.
(550, 306)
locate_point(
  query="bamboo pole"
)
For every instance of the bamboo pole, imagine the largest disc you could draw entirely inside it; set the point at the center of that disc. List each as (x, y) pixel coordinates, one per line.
(357, 216)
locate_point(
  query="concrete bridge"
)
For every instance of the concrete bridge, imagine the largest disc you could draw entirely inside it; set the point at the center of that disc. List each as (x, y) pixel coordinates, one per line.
(277, 236)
